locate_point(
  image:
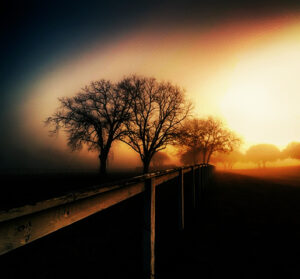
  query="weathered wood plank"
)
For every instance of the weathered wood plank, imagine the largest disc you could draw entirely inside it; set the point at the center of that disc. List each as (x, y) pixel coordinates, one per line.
(12, 213)
(61, 200)
(23, 225)
(201, 181)
(186, 169)
(20, 231)
(166, 177)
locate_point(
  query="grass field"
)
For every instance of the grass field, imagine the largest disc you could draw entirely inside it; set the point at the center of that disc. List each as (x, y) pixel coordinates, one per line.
(284, 175)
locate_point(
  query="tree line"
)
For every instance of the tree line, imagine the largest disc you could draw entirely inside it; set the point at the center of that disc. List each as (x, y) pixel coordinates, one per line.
(259, 154)
(144, 113)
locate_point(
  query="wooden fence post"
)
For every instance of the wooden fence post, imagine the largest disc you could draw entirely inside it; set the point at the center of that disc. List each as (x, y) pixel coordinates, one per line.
(181, 201)
(149, 229)
(198, 185)
(193, 187)
(204, 179)
(201, 172)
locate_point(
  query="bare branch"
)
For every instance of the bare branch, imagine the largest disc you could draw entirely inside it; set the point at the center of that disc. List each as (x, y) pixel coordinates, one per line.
(157, 109)
(94, 117)
(203, 137)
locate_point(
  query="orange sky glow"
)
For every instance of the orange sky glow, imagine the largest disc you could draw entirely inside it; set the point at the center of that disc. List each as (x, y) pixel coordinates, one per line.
(245, 72)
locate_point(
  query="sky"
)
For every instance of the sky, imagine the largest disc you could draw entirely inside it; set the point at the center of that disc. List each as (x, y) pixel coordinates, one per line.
(239, 61)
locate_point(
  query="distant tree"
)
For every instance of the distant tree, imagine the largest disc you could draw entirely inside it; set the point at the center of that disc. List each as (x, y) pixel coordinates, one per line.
(263, 153)
(157, 110)
(292, 150)
(228, 160)
(160, 159)
(204, 137)
(189, 155)
(189, 142)
(94, 117)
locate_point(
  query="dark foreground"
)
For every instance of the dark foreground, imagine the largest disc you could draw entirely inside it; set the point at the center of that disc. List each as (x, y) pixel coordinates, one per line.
(17, 190)
(245, 227)
(248, 228)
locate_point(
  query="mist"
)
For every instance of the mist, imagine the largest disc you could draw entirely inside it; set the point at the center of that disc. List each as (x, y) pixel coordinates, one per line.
(52, 50)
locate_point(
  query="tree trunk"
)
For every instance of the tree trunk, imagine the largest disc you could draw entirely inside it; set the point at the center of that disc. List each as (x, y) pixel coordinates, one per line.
(204, 157)
(146, 163)
(103, 161)
(208, 157)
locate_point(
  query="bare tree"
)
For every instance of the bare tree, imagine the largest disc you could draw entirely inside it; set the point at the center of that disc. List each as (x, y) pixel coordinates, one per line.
(94, 117)
(189, 141)
(203, 137)
(189, 155)
(157, 109)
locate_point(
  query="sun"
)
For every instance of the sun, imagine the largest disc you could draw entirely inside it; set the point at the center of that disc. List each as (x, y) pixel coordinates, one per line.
(261, 100)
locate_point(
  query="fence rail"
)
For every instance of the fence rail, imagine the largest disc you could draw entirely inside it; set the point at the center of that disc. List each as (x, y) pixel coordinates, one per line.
(20, 226)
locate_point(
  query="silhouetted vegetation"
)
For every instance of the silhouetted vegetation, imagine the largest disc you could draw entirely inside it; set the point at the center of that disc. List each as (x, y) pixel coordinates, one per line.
(140, 111)
(228, 160)
(189, 156)
(201, 138)
(263, 153)
(94, 117)
(159, 160)
(259, 154)
(292, 150)
(148, 115)
(157, 109)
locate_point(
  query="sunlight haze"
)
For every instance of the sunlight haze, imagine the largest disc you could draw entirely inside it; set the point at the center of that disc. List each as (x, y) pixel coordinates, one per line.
(246, 72)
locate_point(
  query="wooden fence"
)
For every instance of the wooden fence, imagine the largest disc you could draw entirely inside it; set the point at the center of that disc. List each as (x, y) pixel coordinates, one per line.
(20, 226)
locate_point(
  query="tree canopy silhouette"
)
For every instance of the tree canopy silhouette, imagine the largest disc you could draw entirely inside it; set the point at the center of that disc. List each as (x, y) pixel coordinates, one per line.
(94, 117)
(203, 137)
(157, 109)
(189, 156)
(263, 153)
(292, 150)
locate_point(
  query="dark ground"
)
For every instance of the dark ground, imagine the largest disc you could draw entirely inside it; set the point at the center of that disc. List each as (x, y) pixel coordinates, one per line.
(27, 188)
(248, 227)
(245, 227)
